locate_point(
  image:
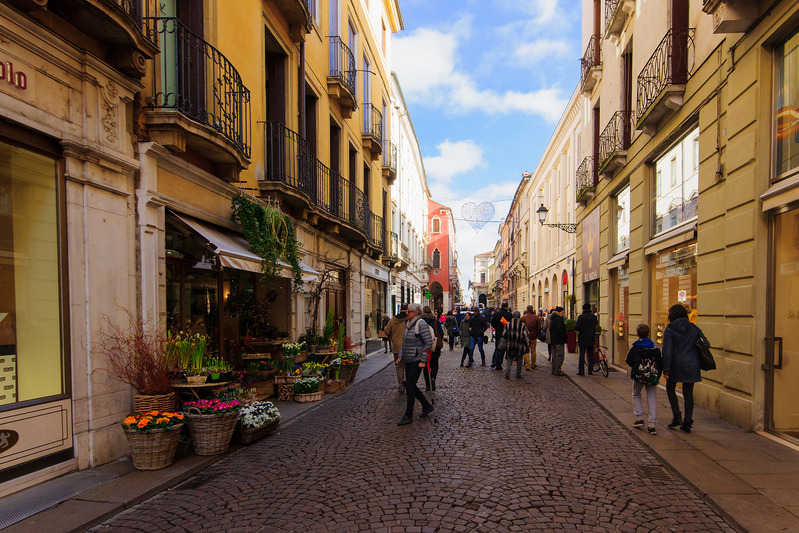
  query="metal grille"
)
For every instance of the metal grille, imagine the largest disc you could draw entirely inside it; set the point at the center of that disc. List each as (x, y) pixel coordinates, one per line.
(611, 6)
(372, 122)
(670, 64)
(389, 155)
(289, 159)
(592, 57)
(586, 176)
(342, 63)
(656, 472)
(615, 137)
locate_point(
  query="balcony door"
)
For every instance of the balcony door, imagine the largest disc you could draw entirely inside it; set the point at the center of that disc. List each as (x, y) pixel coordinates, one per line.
(191, 57)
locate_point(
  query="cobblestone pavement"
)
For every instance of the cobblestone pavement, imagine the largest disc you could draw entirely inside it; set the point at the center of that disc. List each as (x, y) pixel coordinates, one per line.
(533, 454)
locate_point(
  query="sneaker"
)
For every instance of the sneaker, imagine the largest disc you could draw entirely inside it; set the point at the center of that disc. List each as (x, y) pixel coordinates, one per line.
(405, 421)
(426, 411)
(468, 365)
(652, 431)
(638, 424)
(507, 375)
(402, 391)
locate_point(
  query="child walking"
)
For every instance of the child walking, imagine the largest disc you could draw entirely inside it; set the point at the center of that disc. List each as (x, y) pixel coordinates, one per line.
(646, 362)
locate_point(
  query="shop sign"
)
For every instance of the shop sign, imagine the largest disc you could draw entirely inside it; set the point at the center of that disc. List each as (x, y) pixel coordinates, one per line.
(8, 438)
(17, 79)
(591, 246)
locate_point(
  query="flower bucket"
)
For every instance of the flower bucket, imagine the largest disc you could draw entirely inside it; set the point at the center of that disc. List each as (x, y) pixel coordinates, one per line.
(196, 380)
(248, 435)
(154, 450)
(333, 386)
(308, 397)
(211, 434)
(143, 403)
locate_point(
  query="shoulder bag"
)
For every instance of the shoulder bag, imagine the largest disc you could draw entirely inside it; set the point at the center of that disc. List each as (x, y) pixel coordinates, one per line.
(706, 361)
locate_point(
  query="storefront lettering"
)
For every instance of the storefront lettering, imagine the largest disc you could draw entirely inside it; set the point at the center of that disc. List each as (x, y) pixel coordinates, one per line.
(17, 79)
(8, 439)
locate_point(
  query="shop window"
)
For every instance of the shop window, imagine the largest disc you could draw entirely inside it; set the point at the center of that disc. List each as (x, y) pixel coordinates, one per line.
(673, 282)
(623, 220)
(676, 185)
(786, 136)
(31, 358)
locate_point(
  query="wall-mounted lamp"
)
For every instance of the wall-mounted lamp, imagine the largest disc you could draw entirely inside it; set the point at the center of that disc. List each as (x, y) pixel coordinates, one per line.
(542, 216)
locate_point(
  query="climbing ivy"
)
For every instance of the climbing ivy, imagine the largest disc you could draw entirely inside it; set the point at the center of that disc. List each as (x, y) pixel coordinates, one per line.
(271, 236)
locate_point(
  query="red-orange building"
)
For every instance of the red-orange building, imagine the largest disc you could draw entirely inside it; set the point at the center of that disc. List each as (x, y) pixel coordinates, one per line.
(442, 258)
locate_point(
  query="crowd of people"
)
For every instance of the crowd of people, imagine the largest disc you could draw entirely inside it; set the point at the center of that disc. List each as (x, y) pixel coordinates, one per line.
(416, 336)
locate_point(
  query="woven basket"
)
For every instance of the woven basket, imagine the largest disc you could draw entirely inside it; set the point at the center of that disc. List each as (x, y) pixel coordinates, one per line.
(144, 403)
(353, 371)
(308, 397)
(332, 386)
(211, 434)
(264, 389)
(154, 450)
(248, 435)
(196, 380)
(280, 380)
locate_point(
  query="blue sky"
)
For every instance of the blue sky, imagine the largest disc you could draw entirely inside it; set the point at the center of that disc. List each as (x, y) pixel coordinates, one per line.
(486, 82)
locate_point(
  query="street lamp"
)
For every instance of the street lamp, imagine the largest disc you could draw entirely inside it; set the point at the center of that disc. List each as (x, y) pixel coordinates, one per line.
(542, 216)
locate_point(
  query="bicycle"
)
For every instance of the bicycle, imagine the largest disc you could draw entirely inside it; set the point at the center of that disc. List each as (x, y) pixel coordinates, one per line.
(600, 360)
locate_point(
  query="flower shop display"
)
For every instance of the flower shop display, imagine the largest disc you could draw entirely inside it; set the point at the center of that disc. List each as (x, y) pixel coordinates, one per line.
(334, 382)
(153, 438)
(307, 390)
(187, 353)
(256, 421)
(211, 424)
(349, 363)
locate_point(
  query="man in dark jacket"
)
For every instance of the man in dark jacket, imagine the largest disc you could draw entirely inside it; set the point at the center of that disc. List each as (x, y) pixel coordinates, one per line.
(477, 328)
(557, 337)
(499, 327)
(533, 323)
(586, 329)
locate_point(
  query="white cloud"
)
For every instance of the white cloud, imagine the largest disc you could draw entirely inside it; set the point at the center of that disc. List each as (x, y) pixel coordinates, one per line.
(541, 50)
(543, 11)
(455, 158)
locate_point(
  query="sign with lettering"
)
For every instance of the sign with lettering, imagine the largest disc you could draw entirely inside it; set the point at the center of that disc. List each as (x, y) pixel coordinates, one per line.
(17, 79)
(8, 438)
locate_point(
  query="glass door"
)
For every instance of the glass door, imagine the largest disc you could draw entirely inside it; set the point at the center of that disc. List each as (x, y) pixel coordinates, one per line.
(783, 347)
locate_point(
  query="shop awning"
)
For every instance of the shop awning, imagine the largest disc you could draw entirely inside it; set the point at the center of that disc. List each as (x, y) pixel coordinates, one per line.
(618, 260)
(233, 250)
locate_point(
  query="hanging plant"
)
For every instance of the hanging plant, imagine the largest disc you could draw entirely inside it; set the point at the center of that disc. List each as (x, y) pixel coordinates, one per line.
(271, 236)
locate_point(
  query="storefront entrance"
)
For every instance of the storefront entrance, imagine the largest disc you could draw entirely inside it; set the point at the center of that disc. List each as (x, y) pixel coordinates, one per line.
(621, 311)
(782, 351)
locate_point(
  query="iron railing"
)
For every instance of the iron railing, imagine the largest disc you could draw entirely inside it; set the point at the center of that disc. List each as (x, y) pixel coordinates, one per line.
(670, 64)
(592, 57)
(289, 159)
(389, 155)
(586, 176)
(358, 213)
(197, 80)
(375, 233)
(611, 6)
(342, 63)
(373, 122)
(616, 136)
(138, 13)
(393, 250)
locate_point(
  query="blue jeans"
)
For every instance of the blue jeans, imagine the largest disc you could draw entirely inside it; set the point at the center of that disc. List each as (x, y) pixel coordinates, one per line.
(476, 341)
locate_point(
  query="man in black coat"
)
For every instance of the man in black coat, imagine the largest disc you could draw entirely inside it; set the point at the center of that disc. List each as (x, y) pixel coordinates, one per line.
(586, 330)
(477, 327)
(499, 328)
(557, 337)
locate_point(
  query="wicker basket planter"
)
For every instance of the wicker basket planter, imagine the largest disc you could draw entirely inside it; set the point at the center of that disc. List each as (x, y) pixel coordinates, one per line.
(144, 403)
(154, 450)
(332, 386)
(280, 380)
(196, 380)
(211, 434)
(264, 389)
(347, 373)
(248, 435)
(308, 397)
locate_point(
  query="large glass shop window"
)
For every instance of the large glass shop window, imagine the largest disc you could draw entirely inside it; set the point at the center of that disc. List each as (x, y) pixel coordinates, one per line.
(677, 184)
(787, 106)
(374, 305)
(31, 359)
(673, 282)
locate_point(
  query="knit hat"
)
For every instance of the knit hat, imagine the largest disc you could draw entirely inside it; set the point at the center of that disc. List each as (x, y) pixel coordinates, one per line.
(586, 306)
(559, 309)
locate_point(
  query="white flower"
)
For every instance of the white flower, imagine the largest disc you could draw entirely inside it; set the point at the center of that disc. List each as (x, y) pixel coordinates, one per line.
(257, 414)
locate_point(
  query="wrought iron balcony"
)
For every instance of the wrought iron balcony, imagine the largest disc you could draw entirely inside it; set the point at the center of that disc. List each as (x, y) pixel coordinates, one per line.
(198, 100)
(288, 159)
(617, 13)
(613, 143)
(389, 161)
(586, 181)
(342, 79)
(591, 64)
(661, 83)
(375, 232)
(372, 135)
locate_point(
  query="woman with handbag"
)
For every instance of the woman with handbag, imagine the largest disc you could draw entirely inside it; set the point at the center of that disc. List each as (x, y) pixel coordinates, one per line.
(681, 364)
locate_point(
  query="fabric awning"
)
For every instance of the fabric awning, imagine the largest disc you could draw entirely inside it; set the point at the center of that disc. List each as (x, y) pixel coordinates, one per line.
(233, 250)
(617, 260)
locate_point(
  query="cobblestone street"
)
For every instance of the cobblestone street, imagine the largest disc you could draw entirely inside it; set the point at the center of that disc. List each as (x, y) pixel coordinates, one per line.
(533, 454)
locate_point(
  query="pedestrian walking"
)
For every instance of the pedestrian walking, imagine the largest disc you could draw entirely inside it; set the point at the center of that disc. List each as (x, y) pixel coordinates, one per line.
(646, 362)
(417, 344)
(451, 325)
(477, 329)
(395, 330)
(547, 322)
(586, 331)
(681, 364)
(533, 323)
(557, 336)
(431, 371)
(500, 318)
(517, 338)
(466, 338)
(386, 339)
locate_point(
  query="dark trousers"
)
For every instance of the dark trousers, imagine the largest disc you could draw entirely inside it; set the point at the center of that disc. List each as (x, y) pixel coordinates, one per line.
(451, 342)
(433, 368)
(466, 351)
(499, 355)
(687, 393)
(586, 352)
(412, 392)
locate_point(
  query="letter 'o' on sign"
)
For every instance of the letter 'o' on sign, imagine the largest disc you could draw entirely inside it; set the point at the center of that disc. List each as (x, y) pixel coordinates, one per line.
(8, 438)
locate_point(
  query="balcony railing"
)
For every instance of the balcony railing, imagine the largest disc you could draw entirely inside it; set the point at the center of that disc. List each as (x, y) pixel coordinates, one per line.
(393, 251)
(615, 138)
(199, 82)
(670, 65)
(389, 155)
(342, 63)
(592, 59)
(586, 180)
(372, 122)
(375, 233)
(610, 10)
(289, 159)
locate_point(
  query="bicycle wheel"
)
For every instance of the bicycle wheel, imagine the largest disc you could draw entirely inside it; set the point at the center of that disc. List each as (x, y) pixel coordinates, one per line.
(603, 364)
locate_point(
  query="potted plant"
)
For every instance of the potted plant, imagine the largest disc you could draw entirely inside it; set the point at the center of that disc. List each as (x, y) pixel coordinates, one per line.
(350, 361)
(307, 390)
(211, 424)
(571, 335)
(153, 438)
(336, 384)
(257, 420)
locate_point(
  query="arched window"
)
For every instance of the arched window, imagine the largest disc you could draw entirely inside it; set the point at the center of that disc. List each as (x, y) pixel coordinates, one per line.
(436, 258)
(436, 225)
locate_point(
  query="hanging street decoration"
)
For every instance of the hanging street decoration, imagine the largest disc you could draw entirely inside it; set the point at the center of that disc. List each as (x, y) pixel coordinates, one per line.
(477, 215)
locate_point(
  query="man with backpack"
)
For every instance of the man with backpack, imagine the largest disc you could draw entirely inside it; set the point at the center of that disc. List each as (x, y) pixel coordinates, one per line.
(417, 344)
(646, 362)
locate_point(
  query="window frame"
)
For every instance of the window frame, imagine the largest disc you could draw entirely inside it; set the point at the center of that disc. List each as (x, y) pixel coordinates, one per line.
(778, 62)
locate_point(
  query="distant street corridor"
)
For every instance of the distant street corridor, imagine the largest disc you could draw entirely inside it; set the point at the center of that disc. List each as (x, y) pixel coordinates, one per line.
(530, 454)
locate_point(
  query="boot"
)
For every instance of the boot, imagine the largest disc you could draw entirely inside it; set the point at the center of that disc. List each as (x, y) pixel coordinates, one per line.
(686, 426)
(433, 383)
(676, 421)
